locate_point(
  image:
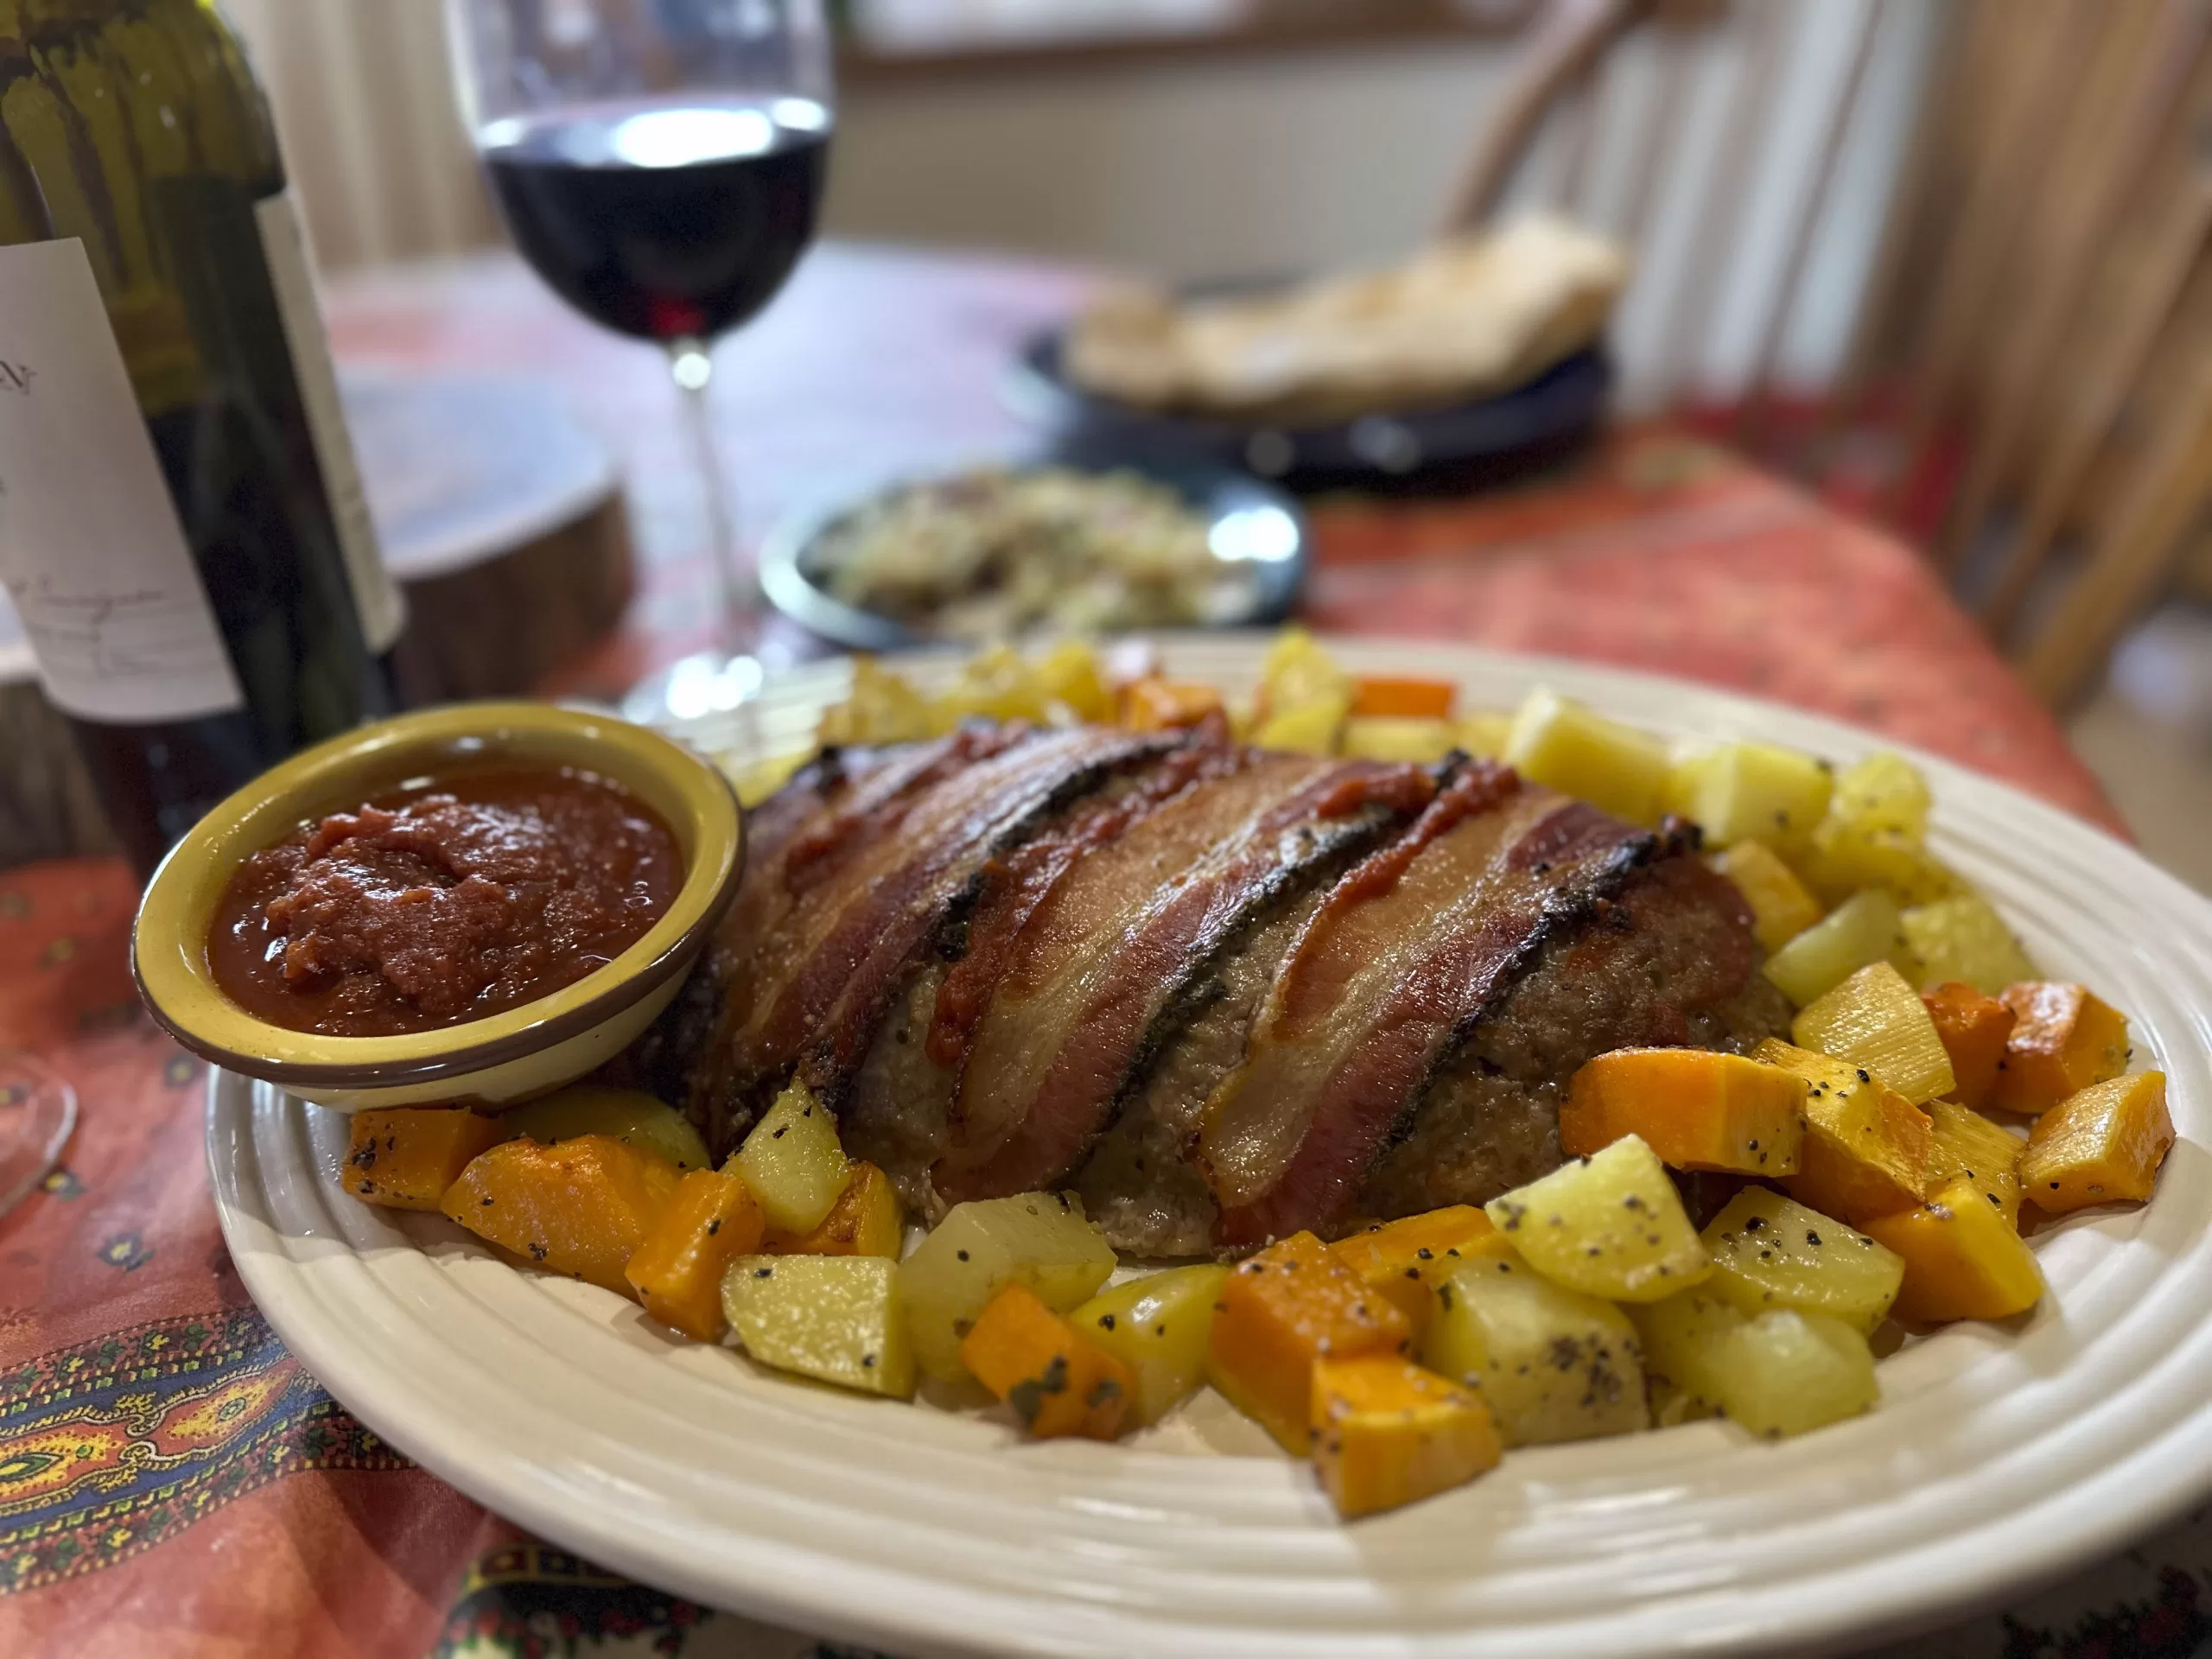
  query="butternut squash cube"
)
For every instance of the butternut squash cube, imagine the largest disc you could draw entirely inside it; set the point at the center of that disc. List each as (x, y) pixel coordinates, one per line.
(1069, 674)
(1863, 929)
(678, 1271)
(1386, 1434)
(1157, 1326)
(1963, 937)
(581, 1207)
(1563, 745)
(835, 1319)
(405, 1157)
(2063, 1040)
(1876, 1019)
(627, 1114)
(1973, 1029)
(1965, 1146)
(1042, 1239)
(1485, 733)
(1406, 1260)
(1057, 1382)
(1611, 1225)
(1865, 1146)
(1380, 698)
(867, 1220)
(1739, 792)
(1282, 1310)
(2102, 1146)
(1552, 1364)
(793, 1163)
(1695, 1108)
(1769, 1251)
(1391, 737)
(1155, 705)
(1962, 1259)
(1782, 905)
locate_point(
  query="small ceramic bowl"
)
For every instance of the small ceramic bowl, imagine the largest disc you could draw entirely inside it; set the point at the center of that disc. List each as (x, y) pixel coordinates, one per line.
(498, 1060)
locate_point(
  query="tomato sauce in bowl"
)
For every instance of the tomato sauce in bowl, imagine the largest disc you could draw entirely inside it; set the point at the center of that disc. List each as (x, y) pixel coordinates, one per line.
(442, 903)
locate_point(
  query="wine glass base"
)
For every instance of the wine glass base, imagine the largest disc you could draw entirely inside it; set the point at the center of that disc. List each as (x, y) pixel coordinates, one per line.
(38, 1110)
(691, 688)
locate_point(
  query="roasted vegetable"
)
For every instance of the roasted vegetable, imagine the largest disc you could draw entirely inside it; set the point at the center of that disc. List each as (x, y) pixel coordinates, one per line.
(1875, 836)
(1388, 737)
(1039, 1239)
(676, 1272)
(626, 1113)
(1963, 937)
(1962, 1259)
(1164, 705)
(1769, 1251)
(1611, 1225)
(581, 1207)
(1973, 1029)
(1552, 1364)
(1964, 1146)
(1875, 1020)
(1782, 905)
(2063, 1040)
(1406, 1260)
(1739, 792)
(793, 1163)
(866, 1220)
(882, 707)
(2102, 1145)
(1057, 1382)
(835, 1319)
(1157, 1326)
(1282, 1310)
(1565, 746)
(1685, 1343)
(1308, 728)
(1865, 1146)
(1069, 674)
(1695, 1108)
(1298, 671)
(1862, 928)
(1381, 698)
(405, 1157)
(1386, 1433)
(992, 685)
(1782, 1372)
(1485, 733)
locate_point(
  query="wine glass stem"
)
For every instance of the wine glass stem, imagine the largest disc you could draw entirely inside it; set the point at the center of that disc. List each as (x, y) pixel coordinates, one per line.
(693, 370)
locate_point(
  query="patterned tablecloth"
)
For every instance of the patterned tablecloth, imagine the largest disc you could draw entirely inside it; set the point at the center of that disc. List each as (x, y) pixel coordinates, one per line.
(173, 1481)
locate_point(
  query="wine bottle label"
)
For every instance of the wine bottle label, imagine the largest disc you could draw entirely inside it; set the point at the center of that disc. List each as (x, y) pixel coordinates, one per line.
(376, 597)
(90, 549)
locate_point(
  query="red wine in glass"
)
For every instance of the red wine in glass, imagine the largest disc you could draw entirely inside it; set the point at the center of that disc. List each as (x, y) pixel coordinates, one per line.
(665, 222)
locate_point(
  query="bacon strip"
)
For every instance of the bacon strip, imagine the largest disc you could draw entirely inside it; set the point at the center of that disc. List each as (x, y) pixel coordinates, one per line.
(1099, 971)
(1382, 990)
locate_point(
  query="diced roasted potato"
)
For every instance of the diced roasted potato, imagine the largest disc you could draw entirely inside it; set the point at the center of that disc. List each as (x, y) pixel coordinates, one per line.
(1057, 1382)
(1884, 792)
(1865, 1147)
(835, 1319)
(1282, 1310)
(1406, 1260)
(405, 1157)
(1308, 728)
(2102, 1146)
(793, 1162)
(992, 685)
(866, 1220)
(1782, 905)
(1485, 732)
(1070, 674)
(581, 1208)
(1769, 1251)
(1566, 747)
(1685, 1342)
(1695, 1108)
(1863, 929)
(1164, 705)
(756, 780)
(2063, 1040)
(1874, 1018)
(1386, 1433)
(1742, 792)
(1392, 737)
(1552, 1364)
(1967, 1147)
(881, 709)
(1786, 1371)
(1973, 1029)
(1611, 1225)
(1384, 698)
(1962, 1259)
(1042, 1239)
(676, 1271)
(1299, 670)
(626, 1113)
(1963, 937)
(1157, 1326)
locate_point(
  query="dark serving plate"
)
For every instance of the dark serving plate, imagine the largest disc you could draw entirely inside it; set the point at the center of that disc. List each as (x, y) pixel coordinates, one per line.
(1488, 438)
(1251, 524)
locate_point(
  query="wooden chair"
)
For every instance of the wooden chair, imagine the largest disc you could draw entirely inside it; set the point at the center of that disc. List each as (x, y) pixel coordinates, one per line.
(2040, 303)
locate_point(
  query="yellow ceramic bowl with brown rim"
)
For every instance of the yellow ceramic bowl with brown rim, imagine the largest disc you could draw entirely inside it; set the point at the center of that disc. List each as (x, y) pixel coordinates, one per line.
(504, 1058)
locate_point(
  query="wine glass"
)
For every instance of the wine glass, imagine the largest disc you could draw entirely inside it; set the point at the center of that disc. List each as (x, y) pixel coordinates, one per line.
(37, 1110)
(659, 165)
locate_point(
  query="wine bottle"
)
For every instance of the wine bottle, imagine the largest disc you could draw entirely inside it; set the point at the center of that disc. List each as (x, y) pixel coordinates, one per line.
(182, 527)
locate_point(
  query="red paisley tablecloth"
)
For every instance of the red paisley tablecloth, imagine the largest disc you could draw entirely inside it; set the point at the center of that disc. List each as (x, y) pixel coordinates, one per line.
(172, 1482)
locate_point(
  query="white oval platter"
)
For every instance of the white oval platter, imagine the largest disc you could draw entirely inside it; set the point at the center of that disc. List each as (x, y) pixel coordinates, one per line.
(1997, 1457)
